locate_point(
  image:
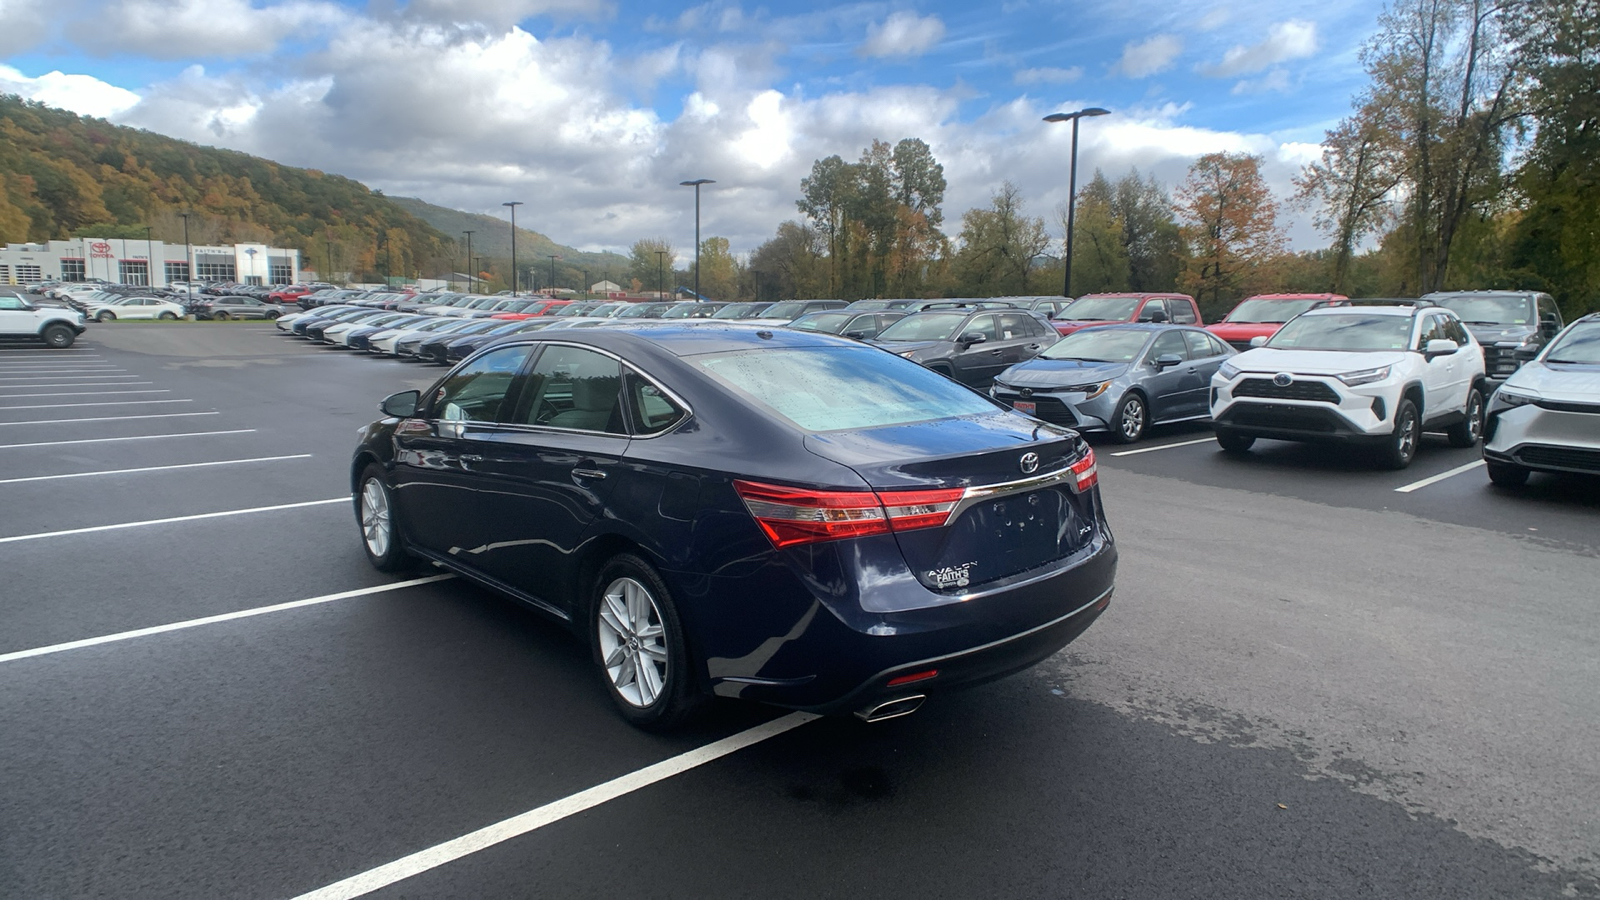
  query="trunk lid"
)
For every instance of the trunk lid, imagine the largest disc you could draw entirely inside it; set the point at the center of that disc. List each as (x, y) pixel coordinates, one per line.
(1021, 508)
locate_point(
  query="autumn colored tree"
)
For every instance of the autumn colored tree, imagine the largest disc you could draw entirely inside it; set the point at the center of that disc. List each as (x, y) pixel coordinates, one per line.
(1231, 225)
(648, 266)
(998, 246)
(1351, 189)
(719, 271)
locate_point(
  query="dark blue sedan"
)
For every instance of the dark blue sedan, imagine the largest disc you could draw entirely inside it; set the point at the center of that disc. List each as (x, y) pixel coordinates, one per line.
(774, 515)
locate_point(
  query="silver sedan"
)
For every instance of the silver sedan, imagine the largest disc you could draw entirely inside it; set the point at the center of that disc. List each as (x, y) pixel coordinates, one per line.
(1120, 379)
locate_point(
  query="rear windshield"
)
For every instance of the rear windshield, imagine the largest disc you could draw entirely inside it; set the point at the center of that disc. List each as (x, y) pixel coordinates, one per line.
(924, 327)
(831, 322)
(1490, 310)
(1579, 346)
(1101, 309)
(838, 388)
(1350, 331)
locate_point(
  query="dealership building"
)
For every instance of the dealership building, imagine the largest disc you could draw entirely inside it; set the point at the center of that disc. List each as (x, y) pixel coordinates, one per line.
(151, 263)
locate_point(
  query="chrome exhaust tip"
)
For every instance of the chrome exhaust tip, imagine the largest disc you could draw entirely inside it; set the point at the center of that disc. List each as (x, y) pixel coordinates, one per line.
(891, 709)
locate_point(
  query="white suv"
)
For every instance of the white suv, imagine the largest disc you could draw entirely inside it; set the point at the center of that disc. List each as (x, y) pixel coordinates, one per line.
(1375, 375)
(21, 319)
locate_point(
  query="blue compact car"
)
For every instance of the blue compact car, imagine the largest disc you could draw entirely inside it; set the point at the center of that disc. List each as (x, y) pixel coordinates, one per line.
(727, 510)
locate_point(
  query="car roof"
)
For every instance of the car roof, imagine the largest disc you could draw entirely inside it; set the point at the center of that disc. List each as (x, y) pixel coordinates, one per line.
(1141, 326)
(1376, 309)
(1296, 297)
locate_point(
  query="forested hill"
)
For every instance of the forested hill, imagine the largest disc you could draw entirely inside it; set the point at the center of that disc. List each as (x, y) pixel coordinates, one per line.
(62, 175)
(491, 239)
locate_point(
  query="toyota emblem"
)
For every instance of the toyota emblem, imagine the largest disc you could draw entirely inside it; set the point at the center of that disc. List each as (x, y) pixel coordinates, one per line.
(1029, 463)
(1283, 379)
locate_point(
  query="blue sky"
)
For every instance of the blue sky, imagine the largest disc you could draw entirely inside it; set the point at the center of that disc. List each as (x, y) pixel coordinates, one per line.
(591, 111)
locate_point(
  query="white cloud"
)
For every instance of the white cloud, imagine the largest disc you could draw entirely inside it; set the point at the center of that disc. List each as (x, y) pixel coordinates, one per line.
(502, 14)
(1275, 81)
(1215, 19)
(1295, 39)
(82, 94)
(904, 33)
(1048, 75)
(1141, 59)
(23, 23)
(180, 29)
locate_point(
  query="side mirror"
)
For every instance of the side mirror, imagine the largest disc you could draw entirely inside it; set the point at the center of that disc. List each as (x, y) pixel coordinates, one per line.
(402, 405)
(972, 337)
(1158, 316)
(859, 334)
(1440, 347)
(1168, 360)
(1259, 340)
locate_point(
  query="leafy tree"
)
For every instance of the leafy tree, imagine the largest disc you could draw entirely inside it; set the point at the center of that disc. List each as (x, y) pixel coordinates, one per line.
(1099, 254)
(1150, 233)
(791, 265)
(719, 271)
(998, 245)
(1351, 187)
(648, 266)
(1231, 226)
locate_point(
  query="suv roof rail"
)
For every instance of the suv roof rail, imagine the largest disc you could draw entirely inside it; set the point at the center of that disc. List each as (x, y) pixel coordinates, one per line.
(1392, 301)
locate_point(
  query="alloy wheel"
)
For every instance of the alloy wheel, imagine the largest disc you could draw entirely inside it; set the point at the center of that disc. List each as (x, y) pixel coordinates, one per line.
(1406, 440)
(633, 642)
(376, 523)
(1132, 418)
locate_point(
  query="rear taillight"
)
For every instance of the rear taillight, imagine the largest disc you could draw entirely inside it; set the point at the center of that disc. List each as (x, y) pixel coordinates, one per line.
(1088, 474)
(791, 516)
(910, 510)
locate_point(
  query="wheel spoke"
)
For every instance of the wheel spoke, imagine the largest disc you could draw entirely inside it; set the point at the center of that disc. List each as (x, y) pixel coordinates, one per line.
(649, 682)
(615, 657)
(615, 615)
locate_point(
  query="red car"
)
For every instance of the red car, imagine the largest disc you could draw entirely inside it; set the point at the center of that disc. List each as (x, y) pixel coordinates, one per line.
(543, 308)
(1098, 309)
(1263, 314)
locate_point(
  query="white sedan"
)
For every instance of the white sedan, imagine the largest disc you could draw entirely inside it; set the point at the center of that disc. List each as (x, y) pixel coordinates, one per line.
(135, 308)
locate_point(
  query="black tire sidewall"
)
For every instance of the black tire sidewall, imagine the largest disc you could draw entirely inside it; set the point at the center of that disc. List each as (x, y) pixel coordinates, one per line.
(1392, 456)
(1234, 442)
(58, 336)
(1507, 475)
(679, 699)
(1460, 434)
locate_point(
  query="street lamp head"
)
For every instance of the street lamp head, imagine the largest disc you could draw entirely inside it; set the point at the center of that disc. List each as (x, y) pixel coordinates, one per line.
(696, 183)
(1080, 114)
(512, 203)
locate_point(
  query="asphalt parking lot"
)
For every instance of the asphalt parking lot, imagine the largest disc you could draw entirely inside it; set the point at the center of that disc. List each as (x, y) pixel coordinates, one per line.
(1316, 680)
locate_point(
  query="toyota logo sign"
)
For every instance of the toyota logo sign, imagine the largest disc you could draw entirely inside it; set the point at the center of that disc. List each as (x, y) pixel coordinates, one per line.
(1029, 463)
(1283, 379)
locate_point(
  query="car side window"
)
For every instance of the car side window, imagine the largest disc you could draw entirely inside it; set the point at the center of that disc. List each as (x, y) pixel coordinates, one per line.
(1455, 331)
(1218, 348)
(1151, 307)
(1013, 325)
(1182, 312)
(477, 391)
(1548, 310)
(11, 303)
(984, 325)
(1169, 343)
(1432, 329)
(1199, 346)
(650, 409)
(575, 388)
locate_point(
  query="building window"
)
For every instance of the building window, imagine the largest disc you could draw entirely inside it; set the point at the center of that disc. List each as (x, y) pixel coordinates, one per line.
(216, 271)
(5, 275)
(27, 274)
(135, 271)
(72, 270)
(177, 271)
(282, 273)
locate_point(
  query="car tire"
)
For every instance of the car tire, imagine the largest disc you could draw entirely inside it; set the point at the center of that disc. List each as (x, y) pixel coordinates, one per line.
(58, 337)
(639, 646)
(1233, 441)
(380, 531)
(168, 317)
(1400, 448)
(1467, 432)
(1131, 418)
(273, 314)
(219, 316)
(1507, 475)
(106, 315)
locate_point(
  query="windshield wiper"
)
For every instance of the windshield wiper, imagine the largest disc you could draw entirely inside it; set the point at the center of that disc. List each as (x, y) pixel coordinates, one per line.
(1476, 322)
(1569, 362)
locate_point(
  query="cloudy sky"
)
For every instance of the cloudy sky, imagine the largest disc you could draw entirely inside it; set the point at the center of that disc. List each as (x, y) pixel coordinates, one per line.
(592, 111)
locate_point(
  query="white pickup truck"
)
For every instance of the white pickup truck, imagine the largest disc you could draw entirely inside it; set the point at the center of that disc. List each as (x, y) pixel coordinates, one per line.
(19, 319)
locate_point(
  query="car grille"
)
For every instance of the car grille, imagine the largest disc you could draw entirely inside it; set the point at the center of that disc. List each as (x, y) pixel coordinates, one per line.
(1047, 408)
(1563, 406)
(1500, 362)
(1296, 390)
(1289, 418)
(1574, 459)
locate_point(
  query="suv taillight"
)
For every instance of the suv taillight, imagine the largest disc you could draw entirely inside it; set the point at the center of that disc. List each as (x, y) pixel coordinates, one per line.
(791, 516)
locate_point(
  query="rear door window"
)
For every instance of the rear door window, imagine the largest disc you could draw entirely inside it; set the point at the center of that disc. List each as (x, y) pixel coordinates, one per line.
(651, 410)
(575, 388)
(1199, 346)
(1168, 344)
(1181, 311)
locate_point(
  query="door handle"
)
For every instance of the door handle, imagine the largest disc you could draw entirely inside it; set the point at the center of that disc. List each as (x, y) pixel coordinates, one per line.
(471, 458)
(994, 352)
(596, 474)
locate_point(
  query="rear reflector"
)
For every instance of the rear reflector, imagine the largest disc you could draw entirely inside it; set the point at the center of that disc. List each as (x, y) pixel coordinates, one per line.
(914, 676)
(1087, 472)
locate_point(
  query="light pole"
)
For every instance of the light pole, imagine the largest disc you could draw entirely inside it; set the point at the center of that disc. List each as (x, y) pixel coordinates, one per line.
(513, 204)
(188, 258)
(329, 276)
(553, 259)
(661, 274)
(149, 257)
(696, 185)
(469, 260)
(1072, 182)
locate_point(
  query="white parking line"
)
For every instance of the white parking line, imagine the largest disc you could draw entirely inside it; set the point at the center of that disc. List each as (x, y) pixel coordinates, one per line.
(136, 437)
(538, 817)
(79, 393)
(1419, 485)
(1204, 440)
(212, 620)
(10, 387)
(58, 367)
(66, 376)
(76, 405)
(112, 418)
(198, 465)
(168, 521)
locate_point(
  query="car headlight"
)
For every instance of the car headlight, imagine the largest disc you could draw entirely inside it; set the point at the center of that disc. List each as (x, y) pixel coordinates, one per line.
(1091, 390)
(1506, 399)
(1228, 370)
(908, 353)
(1364, 376)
